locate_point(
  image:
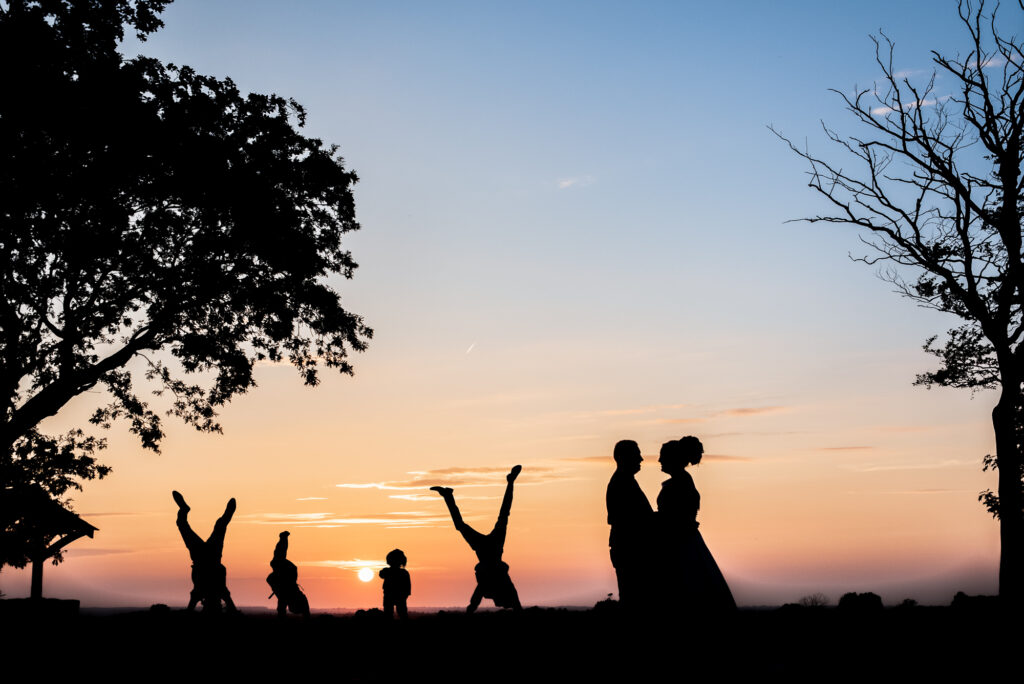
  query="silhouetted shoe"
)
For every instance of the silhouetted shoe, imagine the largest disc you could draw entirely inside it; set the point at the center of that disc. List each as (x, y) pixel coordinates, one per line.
(514, 473)
(180, 500)
(443, 491)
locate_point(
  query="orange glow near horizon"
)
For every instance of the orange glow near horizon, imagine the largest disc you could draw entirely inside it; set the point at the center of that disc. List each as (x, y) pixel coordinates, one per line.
(785, 511)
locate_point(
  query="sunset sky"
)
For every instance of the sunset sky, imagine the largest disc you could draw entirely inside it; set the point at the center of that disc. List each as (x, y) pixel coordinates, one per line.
(574, 231)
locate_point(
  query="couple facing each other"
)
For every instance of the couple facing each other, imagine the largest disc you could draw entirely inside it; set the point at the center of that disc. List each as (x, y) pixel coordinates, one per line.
(660, 557)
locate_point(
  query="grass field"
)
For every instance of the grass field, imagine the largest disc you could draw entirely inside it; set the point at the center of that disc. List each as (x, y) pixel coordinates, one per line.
(824, 644)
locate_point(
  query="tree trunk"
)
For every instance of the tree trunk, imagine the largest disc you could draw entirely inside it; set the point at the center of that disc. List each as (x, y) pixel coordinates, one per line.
(37, 577)
(1011, 519)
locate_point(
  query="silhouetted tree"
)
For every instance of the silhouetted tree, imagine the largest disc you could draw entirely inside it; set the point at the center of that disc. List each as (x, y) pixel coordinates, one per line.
(935, 183)
(868, 602)
(989, 498)
(39, 470)
(154, 216)
(815, 600)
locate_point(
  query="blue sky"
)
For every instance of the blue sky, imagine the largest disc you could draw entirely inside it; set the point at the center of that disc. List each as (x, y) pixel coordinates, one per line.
(579, 151)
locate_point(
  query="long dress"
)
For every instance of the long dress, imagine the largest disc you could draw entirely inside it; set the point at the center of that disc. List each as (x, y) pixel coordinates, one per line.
(693, 580)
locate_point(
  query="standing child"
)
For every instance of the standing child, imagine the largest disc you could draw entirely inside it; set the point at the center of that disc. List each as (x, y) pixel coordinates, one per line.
(397, 585)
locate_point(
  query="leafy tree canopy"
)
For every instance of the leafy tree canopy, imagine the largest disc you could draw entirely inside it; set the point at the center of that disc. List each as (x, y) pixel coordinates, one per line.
(147, 208)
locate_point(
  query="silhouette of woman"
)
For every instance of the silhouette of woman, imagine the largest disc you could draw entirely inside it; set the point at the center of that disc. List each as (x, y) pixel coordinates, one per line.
(690, 577)
(492, 578)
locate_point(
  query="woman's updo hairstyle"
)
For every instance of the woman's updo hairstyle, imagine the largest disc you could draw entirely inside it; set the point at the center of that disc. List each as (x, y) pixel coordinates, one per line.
(690, 449)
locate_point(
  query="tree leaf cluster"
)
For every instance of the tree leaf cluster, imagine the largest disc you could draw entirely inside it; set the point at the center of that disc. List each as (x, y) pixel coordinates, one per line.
(151, 213)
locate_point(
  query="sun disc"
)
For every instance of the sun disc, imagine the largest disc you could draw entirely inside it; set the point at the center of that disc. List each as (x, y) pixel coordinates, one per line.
(365, 574)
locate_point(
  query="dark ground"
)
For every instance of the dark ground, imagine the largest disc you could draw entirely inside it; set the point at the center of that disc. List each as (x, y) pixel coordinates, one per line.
(537, 645)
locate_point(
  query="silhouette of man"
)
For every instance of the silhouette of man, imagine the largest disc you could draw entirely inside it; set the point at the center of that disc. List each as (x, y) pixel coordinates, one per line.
(492, 578)
(632, 520)
(209, 576)
(284, 581)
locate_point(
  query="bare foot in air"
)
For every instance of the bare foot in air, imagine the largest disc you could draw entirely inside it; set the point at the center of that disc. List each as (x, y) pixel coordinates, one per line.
(443, 491)
(511, 477)
(180, 500)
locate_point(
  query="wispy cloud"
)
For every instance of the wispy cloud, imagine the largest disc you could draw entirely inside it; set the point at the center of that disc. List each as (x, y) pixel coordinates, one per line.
(575, 182)
(748, 433)
(991, 62)
(353, 564)
(414, 497)
(739, 412)
(907, 106)
(726, 457)
(871, 468)
(458, 470)
(312, 498)
(988, 63)
(588, 459)
(286, 517)
(609, 461)
(116, 514)
(75, 551)
(475, 476)
(433, 497)
(357, 564)
(845, 448)
(751, 411)
(394, 519)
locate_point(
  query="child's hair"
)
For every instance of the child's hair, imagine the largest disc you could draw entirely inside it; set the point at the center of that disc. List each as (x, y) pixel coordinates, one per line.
(396, 557)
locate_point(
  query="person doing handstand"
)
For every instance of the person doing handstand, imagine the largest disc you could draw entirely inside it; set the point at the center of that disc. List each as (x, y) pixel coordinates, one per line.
(284, 581)
(209, 576)
(492, 578)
